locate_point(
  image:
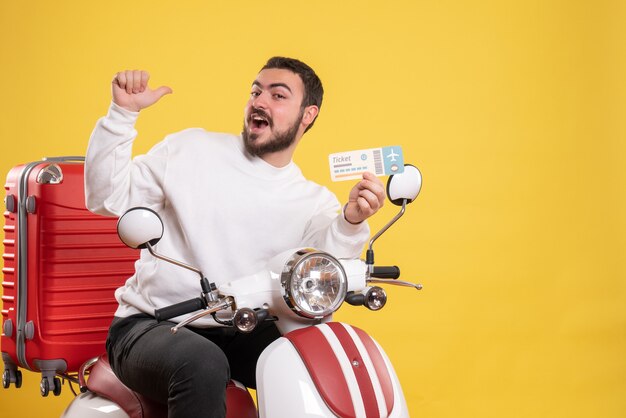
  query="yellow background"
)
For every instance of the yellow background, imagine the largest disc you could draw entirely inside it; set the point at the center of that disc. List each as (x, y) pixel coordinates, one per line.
(513, 110)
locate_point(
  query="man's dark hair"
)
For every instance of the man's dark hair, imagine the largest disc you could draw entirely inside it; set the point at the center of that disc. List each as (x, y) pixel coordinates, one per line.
(313, 90)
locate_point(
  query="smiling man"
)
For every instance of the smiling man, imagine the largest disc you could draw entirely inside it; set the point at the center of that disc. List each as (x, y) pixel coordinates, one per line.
(282, 92)
(228, 203)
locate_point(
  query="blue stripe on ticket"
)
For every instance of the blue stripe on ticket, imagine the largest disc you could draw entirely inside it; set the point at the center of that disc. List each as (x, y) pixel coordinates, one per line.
(378, 161)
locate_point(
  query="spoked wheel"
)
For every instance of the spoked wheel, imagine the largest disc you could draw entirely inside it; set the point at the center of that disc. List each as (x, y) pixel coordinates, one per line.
(6, 379)
(44, 386)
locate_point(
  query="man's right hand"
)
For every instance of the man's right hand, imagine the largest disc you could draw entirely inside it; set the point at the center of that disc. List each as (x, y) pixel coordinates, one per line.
(130, 90)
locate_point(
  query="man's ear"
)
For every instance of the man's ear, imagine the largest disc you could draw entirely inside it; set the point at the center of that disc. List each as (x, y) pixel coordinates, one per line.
(310, 113)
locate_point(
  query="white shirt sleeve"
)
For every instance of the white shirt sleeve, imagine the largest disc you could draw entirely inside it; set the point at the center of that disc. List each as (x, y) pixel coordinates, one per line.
(329, 231)
(114, 181)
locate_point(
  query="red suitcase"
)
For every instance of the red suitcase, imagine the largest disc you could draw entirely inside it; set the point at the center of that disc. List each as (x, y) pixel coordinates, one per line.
(62, 265)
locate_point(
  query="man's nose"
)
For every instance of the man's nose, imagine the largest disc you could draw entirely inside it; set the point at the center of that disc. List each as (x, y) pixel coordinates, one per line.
(260, 101)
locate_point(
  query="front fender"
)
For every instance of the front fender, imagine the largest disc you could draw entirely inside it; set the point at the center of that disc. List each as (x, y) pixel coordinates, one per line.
(331, 369)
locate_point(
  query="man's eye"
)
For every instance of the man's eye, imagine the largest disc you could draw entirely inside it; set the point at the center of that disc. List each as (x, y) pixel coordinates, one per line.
(255, 94)
(278, 96)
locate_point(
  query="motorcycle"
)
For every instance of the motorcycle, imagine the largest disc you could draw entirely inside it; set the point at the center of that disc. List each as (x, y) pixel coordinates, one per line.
(317, 368)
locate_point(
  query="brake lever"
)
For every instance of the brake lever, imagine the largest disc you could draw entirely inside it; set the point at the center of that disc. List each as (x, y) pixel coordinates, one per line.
(225, 304)
(396, 283)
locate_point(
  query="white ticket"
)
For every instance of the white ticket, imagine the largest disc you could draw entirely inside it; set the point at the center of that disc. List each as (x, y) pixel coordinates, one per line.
(351, 165)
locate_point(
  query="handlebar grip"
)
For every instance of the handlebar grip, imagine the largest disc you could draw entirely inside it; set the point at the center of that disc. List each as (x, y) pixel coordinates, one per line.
(386, 272)
(178, 309)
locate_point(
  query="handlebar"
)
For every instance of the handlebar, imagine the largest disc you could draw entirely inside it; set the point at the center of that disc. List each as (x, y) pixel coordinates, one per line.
(181, 308)
(386, 272)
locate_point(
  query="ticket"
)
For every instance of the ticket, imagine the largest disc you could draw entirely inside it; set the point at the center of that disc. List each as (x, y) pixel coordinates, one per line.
(378, 161)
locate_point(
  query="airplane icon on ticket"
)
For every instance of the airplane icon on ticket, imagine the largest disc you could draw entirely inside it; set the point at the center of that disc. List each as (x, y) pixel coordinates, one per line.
(393, 156)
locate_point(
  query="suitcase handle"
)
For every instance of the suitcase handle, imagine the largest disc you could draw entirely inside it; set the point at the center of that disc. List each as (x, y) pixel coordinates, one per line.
(64, 159)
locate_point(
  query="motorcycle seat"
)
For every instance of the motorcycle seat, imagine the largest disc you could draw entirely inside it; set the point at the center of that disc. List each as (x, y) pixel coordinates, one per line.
(104, 382)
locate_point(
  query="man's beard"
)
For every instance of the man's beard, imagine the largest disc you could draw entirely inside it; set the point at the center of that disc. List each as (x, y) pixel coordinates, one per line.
(278, 142)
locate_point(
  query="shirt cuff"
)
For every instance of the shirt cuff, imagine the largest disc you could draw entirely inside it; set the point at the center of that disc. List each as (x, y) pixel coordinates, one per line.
(118, 114)
(348, 228)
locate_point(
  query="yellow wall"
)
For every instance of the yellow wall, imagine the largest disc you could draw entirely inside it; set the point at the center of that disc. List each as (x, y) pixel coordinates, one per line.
(514, 111)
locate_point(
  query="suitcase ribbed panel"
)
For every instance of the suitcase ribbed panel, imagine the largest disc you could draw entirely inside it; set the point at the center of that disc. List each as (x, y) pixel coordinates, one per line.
(9, 269)
(80, 268)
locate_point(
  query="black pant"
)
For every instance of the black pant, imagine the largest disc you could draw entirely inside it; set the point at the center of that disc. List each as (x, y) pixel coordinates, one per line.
(188, 370)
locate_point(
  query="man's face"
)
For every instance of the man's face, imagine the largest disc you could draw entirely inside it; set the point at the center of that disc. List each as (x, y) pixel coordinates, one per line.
(273, 114)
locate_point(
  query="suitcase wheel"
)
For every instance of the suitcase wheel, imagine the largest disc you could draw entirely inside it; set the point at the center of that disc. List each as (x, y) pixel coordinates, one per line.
(44, 386)
(57, 386)
(8, 378)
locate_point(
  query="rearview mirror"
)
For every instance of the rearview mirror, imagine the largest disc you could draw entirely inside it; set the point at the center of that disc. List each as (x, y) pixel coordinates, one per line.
(404, 186)
(138, 227)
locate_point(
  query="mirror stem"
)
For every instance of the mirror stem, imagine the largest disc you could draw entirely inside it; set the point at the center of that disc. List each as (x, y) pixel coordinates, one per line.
(171, 260)
(370, 252)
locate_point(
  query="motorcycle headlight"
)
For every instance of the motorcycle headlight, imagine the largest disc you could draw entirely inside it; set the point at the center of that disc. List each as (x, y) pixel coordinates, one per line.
(315, 283)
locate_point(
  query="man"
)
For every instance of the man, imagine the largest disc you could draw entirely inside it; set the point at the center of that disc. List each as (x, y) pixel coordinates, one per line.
(229, 203)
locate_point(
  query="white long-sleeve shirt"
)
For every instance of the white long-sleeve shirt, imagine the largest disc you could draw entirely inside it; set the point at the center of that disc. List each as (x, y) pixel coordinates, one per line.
(224, 211)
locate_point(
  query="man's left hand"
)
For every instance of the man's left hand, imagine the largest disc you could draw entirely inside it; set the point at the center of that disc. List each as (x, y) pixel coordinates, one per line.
(366, 197)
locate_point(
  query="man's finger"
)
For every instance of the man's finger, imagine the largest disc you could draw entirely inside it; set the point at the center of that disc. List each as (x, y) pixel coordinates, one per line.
(372, 200)
(136, 81)
(375, 187)
(162, 91)
(365, 207)
(145, 76)
(120, 79)
(129, 81)
(369, 176)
